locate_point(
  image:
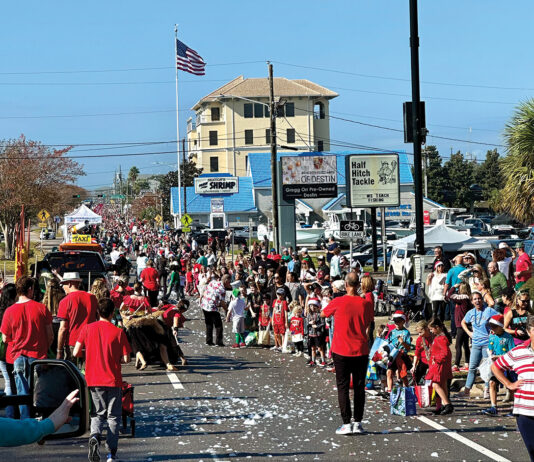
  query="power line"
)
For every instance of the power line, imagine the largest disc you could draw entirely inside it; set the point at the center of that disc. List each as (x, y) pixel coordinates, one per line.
(91, 71)
(399, 79)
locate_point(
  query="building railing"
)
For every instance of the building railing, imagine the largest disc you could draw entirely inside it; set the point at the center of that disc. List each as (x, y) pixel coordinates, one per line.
(206, 119)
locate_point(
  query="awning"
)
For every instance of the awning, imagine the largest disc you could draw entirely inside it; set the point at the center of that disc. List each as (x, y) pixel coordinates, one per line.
(83, 215)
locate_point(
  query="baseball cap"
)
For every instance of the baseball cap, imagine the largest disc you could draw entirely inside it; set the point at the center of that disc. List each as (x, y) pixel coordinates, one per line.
(502, 245)
(264, 252)
(519, 245)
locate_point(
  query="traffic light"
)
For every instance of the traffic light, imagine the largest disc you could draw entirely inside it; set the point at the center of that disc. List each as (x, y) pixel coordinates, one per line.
(75, 196)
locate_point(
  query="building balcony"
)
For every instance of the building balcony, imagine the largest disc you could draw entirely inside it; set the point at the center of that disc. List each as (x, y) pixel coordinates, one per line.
(206, 119)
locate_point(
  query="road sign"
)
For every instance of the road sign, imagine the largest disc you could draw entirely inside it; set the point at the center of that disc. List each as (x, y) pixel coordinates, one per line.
(81, 238)
(118, 196)
(186, 220)
(42, 224)
(186, 229)
(351, 229)
(43, 215)
(158, 218)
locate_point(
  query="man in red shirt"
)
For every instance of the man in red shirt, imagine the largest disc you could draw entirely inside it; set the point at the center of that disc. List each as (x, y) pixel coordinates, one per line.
(523, 266)
(27, 329)
(150, 279)
(353, 316)
(76, 310)
(106, 346)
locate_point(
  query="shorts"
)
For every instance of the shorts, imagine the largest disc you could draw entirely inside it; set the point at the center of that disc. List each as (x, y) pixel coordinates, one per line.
(393, 366)
(238, 325)
(279, 329)
(317, 342)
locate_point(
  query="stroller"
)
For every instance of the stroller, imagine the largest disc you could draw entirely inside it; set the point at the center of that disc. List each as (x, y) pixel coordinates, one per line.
(128, 407)
(412, 302)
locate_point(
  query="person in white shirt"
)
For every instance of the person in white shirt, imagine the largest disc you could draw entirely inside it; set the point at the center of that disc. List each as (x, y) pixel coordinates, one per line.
(114, 255)
(236, 312)
(212, 259)
(435, 283)
(503, 261)
(141, 263)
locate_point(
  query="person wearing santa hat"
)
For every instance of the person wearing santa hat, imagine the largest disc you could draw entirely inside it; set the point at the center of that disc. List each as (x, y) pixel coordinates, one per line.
(500, 342)
(401, 339)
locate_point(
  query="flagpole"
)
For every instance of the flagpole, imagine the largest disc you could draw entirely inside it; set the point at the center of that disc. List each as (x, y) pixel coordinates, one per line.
(177, 125)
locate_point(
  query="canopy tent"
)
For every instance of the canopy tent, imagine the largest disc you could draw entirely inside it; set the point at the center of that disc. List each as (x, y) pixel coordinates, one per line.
(450, 239)
(83, 215)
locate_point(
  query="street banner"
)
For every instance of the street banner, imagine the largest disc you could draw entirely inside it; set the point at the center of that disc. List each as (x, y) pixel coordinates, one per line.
(309, 177)
(373, 180)
(217, 185)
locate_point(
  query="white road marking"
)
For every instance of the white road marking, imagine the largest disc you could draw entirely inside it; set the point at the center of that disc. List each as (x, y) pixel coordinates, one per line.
(462, 439)
(175, 381)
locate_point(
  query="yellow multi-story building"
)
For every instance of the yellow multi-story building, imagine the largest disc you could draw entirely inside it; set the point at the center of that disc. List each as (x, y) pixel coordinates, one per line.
(234, 120)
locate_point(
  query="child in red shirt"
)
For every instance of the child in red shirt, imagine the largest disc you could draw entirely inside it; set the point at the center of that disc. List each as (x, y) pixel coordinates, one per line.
(264, 318)
(174, 318)
(279, 318)
(106, 346)
(189, 281)
(296, 327)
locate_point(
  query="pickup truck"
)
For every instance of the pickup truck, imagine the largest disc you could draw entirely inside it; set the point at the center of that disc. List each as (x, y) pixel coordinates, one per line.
(89, 264)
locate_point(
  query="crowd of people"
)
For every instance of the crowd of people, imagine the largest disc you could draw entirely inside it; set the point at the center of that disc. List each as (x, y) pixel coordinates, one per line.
(320, 308)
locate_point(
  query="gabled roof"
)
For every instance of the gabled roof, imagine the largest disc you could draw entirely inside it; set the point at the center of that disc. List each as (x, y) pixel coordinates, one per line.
(260, 165)
(199, 203)
(259, 88)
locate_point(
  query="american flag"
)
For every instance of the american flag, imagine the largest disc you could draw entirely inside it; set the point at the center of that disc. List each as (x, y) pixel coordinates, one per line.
(189, 60)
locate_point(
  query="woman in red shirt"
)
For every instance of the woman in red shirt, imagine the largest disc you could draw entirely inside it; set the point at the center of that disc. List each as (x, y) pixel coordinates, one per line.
(150, 279)
(350, 350)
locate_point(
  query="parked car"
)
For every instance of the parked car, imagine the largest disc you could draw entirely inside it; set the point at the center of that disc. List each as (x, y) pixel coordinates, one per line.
(47, 233)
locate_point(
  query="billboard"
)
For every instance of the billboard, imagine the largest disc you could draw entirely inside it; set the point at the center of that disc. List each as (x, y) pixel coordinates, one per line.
(373, 180)
(309, 177)
(216, 185)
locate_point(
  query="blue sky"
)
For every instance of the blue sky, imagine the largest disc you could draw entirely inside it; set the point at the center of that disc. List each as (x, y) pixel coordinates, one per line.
(65, 58)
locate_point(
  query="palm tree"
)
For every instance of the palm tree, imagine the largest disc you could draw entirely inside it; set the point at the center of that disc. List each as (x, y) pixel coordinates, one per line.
(517, 196)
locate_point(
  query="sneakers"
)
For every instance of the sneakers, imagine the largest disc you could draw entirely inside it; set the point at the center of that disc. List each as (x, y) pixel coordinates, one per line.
(94, 449)
(298, 354)
(357, 428)
(345, 429)
(274, 348)
(455, 368)
(465, 368)
(310, 363)
(235, 345)
(111, 458)
(464, 394)
(490, 411)
(486, 392)
(242, 345)
(322, 364)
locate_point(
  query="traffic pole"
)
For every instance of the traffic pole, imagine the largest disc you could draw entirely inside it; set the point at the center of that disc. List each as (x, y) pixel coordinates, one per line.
(273, 109)
(416, 124)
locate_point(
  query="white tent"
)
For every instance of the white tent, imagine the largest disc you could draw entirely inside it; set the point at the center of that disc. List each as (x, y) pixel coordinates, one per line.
(450, 239)
(82, 215)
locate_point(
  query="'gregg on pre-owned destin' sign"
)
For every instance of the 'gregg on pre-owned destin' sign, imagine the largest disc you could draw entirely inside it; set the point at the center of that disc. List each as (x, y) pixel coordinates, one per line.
(373, 180)
(309, 176)
(216, 185)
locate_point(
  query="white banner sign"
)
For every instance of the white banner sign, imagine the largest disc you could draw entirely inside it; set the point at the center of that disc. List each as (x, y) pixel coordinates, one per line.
(309, 177)
(216, 185)
(217, 205)
(373, 180)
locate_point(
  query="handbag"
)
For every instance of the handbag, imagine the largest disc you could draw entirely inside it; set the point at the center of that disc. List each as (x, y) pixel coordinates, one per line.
(485, 369)
(427, 396)
(251, 338)
(297, 338)
(264, 337)
(402, 401)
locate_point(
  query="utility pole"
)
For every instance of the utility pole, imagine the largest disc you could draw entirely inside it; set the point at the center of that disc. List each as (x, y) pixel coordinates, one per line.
(425, 168)
(416, 124)
(273, 108)
(183, 165)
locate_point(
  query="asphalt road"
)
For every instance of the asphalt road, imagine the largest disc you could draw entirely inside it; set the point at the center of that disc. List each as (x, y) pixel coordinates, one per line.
(254, 404)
